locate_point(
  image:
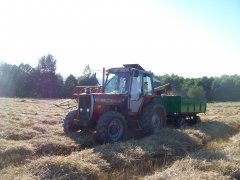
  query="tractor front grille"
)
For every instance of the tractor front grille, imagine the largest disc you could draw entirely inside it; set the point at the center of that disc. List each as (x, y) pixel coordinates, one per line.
(85, 107)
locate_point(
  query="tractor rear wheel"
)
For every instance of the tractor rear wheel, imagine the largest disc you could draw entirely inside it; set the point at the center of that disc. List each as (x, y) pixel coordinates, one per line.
(68, 125)
(111, 127)
(153, 118)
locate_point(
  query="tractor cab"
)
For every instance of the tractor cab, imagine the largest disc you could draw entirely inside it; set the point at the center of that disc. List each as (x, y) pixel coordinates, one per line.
(131, 81)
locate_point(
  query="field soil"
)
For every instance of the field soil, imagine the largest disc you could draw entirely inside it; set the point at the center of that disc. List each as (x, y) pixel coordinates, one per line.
(34, 146)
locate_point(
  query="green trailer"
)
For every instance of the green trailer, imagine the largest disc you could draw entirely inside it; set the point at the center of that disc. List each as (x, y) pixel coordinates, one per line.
(180, 110)
(180, 105)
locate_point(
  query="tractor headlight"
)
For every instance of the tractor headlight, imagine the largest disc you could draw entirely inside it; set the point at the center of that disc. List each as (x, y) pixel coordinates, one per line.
(88, 110)
(81, 109)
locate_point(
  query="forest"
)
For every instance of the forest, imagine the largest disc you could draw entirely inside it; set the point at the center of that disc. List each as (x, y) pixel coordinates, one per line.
(43, 82)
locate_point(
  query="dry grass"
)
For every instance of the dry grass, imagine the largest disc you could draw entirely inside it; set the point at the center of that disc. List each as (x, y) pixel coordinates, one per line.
(33, 146)
(14, 152)
(16, 172)
(121, 159)
(220, 156)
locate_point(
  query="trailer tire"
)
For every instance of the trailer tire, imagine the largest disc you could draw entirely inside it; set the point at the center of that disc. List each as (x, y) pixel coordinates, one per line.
(196, 120)
(68, 124)
(111, 127)
(153, 119)
(180, 122)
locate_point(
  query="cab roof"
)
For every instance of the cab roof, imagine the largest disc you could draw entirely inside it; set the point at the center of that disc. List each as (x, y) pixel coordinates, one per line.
(136, 66)
(128, 68)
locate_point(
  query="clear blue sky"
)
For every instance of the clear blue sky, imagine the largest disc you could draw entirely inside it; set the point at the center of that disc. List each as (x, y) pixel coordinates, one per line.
(221, 15)
(191, 38)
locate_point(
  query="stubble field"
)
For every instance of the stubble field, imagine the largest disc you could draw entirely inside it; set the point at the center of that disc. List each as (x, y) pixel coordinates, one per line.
(34, 146)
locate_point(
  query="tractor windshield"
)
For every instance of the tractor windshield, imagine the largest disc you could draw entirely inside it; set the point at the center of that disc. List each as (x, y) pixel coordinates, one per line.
(117, 83)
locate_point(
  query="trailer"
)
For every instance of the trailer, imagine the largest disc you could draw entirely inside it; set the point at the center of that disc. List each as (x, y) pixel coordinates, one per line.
(182, 110)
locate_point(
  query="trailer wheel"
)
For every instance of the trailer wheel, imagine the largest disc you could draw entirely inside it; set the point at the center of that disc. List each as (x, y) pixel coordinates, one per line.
(196, 120)
(153, 118)
(111, 127)
(180, 122)
(68, 125)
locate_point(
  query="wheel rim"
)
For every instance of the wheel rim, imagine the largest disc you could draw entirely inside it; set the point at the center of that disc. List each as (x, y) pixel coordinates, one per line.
(115, 129)
(155, 120)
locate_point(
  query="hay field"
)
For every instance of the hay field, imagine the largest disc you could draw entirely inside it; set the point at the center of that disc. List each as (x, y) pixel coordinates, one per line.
(33, 146)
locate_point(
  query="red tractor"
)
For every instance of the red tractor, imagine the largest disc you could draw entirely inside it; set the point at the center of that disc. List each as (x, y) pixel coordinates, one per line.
(126, 99)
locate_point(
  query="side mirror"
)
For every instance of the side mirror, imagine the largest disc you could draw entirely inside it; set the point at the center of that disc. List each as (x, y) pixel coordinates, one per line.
(136, 73)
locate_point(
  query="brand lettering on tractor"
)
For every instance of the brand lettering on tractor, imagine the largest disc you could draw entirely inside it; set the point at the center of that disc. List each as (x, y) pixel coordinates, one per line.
(102, 100)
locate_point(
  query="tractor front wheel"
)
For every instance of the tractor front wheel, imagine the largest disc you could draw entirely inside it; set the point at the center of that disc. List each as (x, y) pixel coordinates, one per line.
(68, 125)
(111, 127)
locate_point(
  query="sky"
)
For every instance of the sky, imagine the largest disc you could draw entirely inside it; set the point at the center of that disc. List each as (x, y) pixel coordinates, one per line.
(190, 38)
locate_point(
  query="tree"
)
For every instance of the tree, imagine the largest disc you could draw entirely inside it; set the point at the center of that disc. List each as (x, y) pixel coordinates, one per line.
(226, 88)
(88, 78)
(26, 68)
(58, 86)
(69, 85)
(196, 92)
(206, 83)
(87, 71)
(47, 64)
(45, 77)
(186, 85)
(7, 83)
(23, 78)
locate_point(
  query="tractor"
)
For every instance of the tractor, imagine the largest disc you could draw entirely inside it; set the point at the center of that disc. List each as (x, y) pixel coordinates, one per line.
(127, 98)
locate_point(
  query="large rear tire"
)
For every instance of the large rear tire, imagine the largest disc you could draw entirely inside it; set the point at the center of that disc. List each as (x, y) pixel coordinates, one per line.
(111, 127)
(68, 125)
(153, 119)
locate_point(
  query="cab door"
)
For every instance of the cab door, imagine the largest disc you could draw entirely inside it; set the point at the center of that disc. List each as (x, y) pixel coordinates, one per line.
(141, 86)
(136, 89)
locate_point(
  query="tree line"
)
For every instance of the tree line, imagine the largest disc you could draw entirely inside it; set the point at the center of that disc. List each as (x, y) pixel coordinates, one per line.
(224, 88)
(43, 82)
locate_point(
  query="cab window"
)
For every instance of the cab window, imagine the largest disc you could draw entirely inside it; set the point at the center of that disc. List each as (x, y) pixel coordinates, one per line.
(117, 83)
(147, 85)
(136, 88)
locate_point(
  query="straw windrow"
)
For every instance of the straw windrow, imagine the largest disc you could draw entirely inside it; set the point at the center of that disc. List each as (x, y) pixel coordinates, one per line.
(33, 146)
